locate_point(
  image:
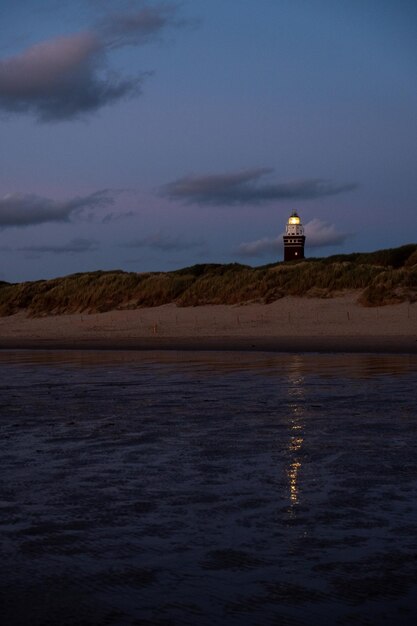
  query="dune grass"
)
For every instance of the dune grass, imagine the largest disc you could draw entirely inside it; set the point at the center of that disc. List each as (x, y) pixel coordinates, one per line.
(382, 277)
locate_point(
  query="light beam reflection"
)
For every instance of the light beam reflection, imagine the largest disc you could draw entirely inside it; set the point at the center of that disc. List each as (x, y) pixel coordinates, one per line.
(296, 395)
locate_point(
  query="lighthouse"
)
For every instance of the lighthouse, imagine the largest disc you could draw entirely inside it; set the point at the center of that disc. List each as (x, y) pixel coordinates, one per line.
(294, 238)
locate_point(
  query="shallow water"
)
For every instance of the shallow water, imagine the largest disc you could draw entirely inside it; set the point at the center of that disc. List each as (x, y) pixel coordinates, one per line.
(209, 489)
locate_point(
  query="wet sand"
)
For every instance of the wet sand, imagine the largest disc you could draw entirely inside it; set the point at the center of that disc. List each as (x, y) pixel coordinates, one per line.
(291, 324)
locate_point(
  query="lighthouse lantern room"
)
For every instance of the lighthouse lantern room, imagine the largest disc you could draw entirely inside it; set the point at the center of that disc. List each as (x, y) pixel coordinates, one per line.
(294, 238)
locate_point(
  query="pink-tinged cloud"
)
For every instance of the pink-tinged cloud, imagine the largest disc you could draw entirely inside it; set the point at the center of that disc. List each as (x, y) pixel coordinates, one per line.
(321, 234)
(46, 63)
(68, 77)
(61, 79)
(318, 235)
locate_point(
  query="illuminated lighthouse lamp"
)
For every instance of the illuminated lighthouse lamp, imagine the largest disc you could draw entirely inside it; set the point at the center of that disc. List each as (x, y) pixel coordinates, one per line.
(294, 238)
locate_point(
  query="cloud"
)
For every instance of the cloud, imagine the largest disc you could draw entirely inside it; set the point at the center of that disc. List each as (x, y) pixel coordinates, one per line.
(260, 247)
(28, 209)
(244, 188)
(164, 243)
(117, 217)
(137, 27)
(321, 234)
(318, 235)
(61, 79)
(75, 246)
(68, 77)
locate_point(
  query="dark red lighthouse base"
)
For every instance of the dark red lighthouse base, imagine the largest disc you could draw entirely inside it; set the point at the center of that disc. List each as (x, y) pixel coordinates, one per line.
(294, 247)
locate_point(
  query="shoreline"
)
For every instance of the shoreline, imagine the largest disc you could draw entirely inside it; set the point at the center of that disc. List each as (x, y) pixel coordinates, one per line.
(305, 344)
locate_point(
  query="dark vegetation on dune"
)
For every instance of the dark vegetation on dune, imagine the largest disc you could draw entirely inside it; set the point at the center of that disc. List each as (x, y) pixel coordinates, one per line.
(383, 277)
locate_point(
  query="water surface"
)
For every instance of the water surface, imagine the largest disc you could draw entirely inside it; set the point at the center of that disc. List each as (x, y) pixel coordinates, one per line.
(209, 489)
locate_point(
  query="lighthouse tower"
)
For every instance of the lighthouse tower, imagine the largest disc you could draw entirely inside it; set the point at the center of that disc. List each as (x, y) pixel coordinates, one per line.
(294, 238)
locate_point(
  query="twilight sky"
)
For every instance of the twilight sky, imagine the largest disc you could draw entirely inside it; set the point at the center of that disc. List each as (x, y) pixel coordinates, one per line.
(154, 135)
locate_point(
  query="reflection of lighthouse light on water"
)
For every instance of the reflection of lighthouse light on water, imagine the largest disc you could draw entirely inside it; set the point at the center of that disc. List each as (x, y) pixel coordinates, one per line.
(296, 394)
(296, 443)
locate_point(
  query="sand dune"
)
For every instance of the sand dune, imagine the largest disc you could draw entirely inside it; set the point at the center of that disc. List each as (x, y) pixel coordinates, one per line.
(299, 324)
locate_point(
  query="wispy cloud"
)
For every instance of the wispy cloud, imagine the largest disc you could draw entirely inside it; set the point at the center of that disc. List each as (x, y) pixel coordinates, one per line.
(117, 217)
(260, 247)
(20, 210)
(322, 234)
(67, 77)
(75, 246)
(246, 187)
(138, 27)
(164, 243)
(318, 235)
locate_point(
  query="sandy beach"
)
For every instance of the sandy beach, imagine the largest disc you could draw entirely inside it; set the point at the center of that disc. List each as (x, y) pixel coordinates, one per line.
(291, 324)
